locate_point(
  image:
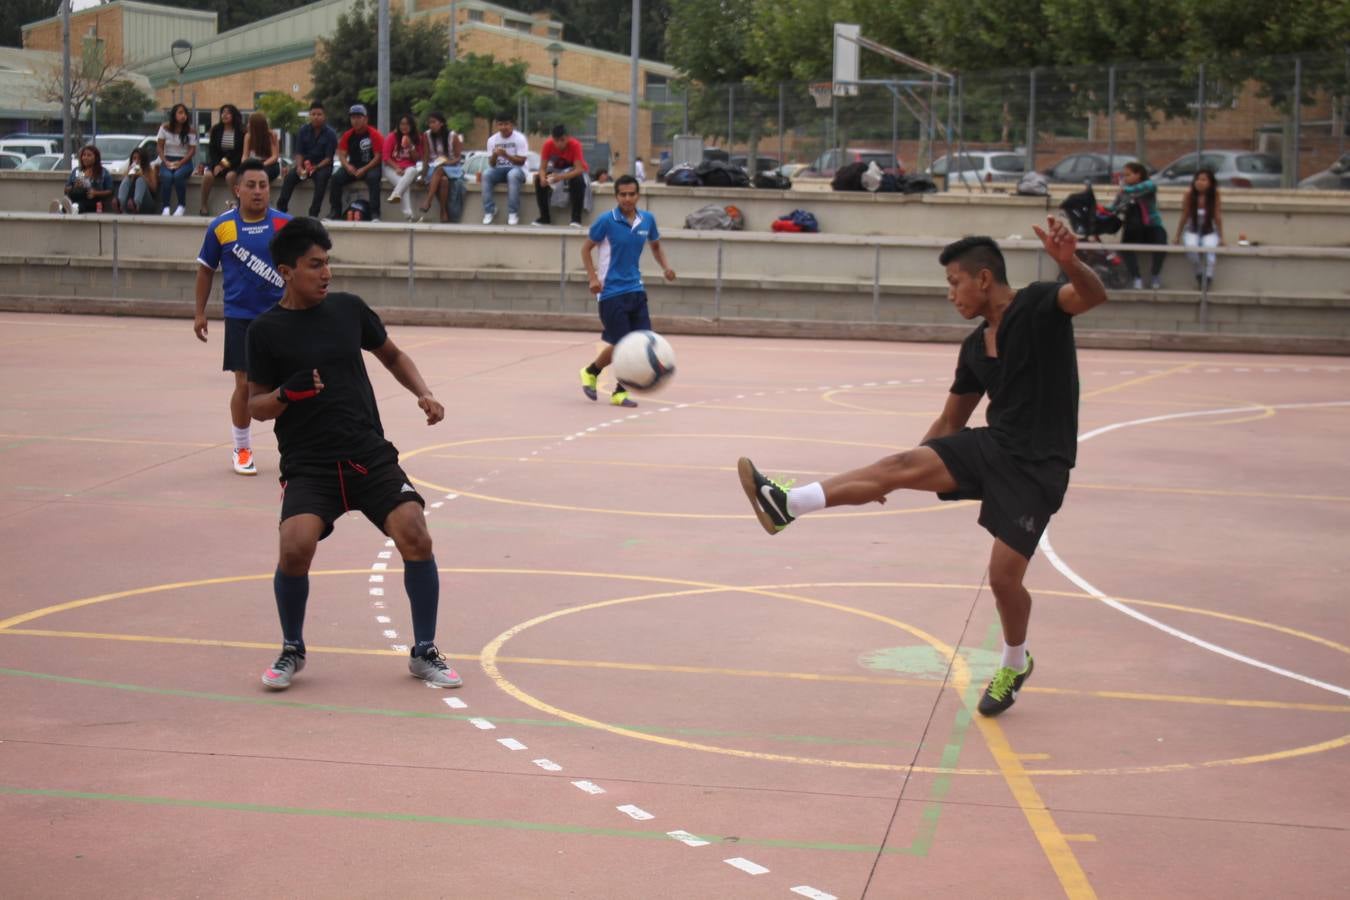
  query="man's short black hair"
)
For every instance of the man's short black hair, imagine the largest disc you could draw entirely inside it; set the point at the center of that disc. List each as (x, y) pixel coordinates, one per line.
(626, 179)
(506, 117)
(296, 238)
(252, 164)
(974, 254)
(559, 131)
(316, 105)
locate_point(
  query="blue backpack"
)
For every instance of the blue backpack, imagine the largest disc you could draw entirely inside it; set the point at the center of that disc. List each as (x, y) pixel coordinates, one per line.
(804, 220)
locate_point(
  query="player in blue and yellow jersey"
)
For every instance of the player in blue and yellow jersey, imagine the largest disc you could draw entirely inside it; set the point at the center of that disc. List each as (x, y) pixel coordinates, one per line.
(620, 234)
(236, 242)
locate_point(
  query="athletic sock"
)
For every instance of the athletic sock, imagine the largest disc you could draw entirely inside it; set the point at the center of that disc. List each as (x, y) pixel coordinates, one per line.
(292, 593)
(592, 369)
(242, 437)
(423, 584)
(1015, 658)
(805, 499)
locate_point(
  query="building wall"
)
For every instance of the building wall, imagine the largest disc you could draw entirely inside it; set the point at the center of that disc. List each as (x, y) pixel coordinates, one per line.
(133, 33)
(292, 78)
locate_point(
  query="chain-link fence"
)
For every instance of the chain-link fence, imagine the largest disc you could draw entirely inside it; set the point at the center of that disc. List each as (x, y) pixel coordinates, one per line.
(1154, 112)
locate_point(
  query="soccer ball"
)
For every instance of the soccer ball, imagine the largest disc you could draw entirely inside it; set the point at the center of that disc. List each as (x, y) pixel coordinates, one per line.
(644, 361)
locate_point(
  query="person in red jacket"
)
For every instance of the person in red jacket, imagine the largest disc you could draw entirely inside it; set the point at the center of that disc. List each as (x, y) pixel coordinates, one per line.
(563, 163)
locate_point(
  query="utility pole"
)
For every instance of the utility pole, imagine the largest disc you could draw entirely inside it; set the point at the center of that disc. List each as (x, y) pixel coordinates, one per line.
(382, 78)
(65, 85)
(633, 89)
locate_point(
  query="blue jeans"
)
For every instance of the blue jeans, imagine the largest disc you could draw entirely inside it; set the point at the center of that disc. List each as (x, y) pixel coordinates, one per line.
(171, 180)
(514, 178)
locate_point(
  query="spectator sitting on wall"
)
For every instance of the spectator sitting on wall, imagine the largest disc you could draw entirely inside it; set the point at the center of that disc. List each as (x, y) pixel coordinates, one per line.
(403, 161)
(508, 151)
(443, 150)
(359, 150)
(564, 163)
(90, 185)
(138, 186)
(261, 143)
(226, 145)
(316, 143)
(602, 176)
(177, 144)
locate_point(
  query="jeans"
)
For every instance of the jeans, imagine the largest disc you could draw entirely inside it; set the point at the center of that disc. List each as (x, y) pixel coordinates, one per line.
(1191, 239)
(319, 181)
(133, 189)
(171, 180)
(514, 178)
(403, 185)
(341, 178)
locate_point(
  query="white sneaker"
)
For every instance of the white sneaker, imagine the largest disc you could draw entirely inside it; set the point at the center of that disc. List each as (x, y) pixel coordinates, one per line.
(243, 462)
(1139, 284)
(1157, 283)
(487, 218)
(180, 210)
(393, 198)
(165, 211)
(574, 225)
(512, 219)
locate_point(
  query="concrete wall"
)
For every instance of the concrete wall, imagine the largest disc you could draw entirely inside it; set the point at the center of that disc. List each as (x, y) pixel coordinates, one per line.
(1309, 218)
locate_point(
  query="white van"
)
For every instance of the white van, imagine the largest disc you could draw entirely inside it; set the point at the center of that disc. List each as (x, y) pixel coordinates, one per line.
(29, 146)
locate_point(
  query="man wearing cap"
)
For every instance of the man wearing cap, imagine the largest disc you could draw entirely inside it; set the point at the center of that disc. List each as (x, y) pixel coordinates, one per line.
(564, 164)
(359, 157)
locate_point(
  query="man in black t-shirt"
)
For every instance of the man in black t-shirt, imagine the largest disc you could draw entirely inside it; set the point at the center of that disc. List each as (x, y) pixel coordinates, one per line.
(305, 369)
(1022, 355)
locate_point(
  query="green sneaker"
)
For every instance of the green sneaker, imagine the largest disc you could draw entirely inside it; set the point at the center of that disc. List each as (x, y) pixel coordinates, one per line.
(621, 398)
(588, 382)
(1002, 690)
(768, 498)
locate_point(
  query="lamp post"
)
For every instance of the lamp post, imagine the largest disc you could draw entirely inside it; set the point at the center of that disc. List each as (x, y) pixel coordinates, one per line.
(555, 52)
(181, 52)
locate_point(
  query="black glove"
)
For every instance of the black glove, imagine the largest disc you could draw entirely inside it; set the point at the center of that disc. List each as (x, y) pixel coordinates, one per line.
(299, 386)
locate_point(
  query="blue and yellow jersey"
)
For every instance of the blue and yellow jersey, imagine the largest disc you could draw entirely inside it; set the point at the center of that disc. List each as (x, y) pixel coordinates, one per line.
(239, 249)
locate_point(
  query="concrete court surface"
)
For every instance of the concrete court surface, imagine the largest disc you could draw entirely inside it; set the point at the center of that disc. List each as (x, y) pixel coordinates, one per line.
(660, 700)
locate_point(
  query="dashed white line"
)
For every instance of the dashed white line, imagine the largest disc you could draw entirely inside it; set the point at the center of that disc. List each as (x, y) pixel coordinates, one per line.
(807, 891)
(482, 724)
(589, 787)
(745, 865)
(376, 579)
(548, 765)
(685, 837)
(635, 812)
(455, 703)
(383, 620)
(511, 744)
(377, 592)
(390, 633)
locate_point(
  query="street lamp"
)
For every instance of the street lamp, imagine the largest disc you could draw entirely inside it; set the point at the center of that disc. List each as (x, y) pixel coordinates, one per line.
(181, 51)
(555, 52)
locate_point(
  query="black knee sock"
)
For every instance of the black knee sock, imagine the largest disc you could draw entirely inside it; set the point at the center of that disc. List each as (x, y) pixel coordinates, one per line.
(423, 584)
(292, 593)
(593, 369)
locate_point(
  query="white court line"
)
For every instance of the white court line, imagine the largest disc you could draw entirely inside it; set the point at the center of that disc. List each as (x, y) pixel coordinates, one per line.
(812, 893)
(635, 812)
(745, 865)
(688, 839)
(1085, 585)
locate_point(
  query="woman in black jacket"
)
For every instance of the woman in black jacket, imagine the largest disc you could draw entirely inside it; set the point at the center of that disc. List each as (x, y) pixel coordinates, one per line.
(227, 151)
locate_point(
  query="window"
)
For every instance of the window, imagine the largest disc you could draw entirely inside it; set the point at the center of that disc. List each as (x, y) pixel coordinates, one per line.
(1184, 166)
(1011, 162)
(1260, 164)
(475, 15)
(519, 25)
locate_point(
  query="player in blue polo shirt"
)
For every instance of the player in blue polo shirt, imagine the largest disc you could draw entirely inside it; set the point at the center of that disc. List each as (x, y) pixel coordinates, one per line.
(236, 243)
(620, 234)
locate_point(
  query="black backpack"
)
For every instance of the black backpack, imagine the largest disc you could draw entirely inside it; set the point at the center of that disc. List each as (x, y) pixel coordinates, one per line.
(774, 181)
(849, 177)
(683, 176)
(715, 173)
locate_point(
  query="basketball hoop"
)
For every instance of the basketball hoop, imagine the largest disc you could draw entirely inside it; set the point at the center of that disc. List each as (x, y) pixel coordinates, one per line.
(823, 93)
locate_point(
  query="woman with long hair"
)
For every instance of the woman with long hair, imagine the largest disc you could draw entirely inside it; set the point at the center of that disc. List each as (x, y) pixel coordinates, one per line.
(138, 185)
(403, 161)
(1201, 224)
(90, 185)
(260, 142)
(177, 143)
(443, 149)
(1138, 200)
(227, 152)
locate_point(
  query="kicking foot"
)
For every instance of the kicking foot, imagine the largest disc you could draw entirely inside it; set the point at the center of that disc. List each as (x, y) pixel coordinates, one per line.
(767, 498)
(1002, 690)
(588, 382)
(621, 398)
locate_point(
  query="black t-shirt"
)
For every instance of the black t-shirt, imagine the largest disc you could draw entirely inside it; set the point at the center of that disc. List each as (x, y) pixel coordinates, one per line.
(342, 421)
(1033, 382)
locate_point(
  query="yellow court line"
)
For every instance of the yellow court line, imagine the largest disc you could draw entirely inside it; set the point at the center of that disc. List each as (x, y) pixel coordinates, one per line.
(824, 678)
(94, 440)
(1142, 379)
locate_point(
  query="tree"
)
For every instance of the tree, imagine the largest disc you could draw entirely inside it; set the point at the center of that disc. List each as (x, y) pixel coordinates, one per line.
(347, 62)
(90, 74)
(548, 109)
(607, 24)
(122, 107)
(474, 86)
(282, 110)
(14, 14)
(708, 40)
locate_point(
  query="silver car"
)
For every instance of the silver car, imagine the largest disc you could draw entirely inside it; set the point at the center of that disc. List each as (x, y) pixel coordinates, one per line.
(974, 167)
(1334, 178)
(1232, 168)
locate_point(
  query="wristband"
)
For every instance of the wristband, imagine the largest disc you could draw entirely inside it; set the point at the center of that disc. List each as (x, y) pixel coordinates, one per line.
(299, 386)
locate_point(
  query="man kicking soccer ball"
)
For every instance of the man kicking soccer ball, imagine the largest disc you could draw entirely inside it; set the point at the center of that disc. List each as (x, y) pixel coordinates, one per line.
(1023, 357)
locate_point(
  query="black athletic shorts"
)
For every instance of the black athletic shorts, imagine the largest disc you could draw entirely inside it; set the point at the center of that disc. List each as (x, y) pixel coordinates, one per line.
(1017, 497)
(623, 313)
(236, 345)
(331, 491)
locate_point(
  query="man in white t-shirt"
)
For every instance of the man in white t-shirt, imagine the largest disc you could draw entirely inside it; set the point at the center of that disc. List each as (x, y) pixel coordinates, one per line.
(507, 151)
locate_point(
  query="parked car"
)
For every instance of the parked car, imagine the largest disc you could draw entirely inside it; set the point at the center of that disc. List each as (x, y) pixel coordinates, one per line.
(1232, 168)
(829, 162)
(762, 163)
(1098, 168)
(976, 166)
(30, 146)
(791, 169)
(11, 160)
(116, 148)
(1334, 178)
(476, 162)
(42, 162)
